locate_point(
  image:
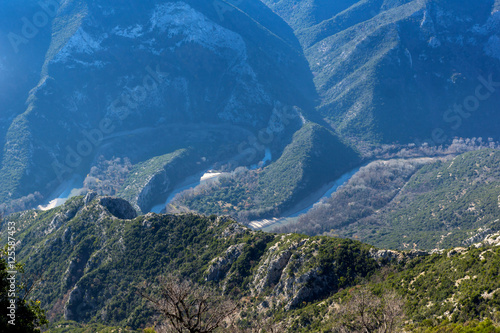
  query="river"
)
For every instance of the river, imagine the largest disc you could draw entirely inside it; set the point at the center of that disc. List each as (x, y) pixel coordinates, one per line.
(66, 190)
(202, 177)
(188, 183)
(306, 204)
(73, 186)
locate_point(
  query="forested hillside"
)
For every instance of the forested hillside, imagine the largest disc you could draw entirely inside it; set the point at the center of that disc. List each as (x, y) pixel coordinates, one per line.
(84, 259)
(413, 203)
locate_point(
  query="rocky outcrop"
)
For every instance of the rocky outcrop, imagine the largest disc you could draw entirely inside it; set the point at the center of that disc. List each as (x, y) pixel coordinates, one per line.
(220, 266)
(233, 230)
(270, 270)
(62, 217)
(79, 302)
(156, 185)
(288, 271)
(387, 255)
(493, 239)
(479, 236)
(89, 197)
(384, 256)
(296, 290)
(295, 270)
(119, 208)
(415, 253)
(158, 177)
(95, 259)
(75, 298)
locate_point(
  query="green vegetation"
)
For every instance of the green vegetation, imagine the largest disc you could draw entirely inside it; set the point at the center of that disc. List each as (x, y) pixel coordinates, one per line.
(74, 327)
(445, 203)
(64, 26)
(414, 203)
(379, 78)
(28, 316)
(91, 271)
(89, 71)
(15, 178)
(159, 174)
(348, 211)
(315, 157)
(14, 160)
(461, 285)
(90, 262)
(471, 327)
(456, 291)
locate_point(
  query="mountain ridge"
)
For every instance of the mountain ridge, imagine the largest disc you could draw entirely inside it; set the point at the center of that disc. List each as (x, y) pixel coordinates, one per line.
(90, 242)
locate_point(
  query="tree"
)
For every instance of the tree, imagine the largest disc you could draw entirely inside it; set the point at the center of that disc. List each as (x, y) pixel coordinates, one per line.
(366, 312)
(188, 307)
(28, 316)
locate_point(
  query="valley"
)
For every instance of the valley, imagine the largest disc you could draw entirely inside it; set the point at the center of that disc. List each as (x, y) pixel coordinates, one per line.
(286, 166)
(306, 204)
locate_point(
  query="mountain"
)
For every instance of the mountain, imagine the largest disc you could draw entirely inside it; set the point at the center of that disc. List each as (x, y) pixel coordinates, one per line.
(393, 71)
(363, 131)
(19, 71)
(112, 72)
(231, 82)
(454, 290)
(424, 203)
(85, 253)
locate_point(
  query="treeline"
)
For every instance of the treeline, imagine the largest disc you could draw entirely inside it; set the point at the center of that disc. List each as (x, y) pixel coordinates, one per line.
(413, 150)
(368, 191)
(108, 176)
(17, 205)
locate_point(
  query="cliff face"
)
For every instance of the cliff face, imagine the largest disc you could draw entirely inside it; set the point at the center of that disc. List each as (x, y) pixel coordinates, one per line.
(149, 182)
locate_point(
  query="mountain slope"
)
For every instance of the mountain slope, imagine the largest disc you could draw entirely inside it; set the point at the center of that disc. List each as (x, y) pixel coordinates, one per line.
(314, 157)
(456, 290)
(392, 71)
(20, 60)
(415, 203)
(87, 252)
(117, 80)
(111, 70)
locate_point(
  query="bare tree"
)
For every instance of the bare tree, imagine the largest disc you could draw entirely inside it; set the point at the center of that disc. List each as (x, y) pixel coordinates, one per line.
(366, 312)
(188, 307)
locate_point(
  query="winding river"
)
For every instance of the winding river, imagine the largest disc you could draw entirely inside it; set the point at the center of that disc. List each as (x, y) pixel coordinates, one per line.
(306, 204)
(202, 177)
(73, 186)
(190, 182)
(66, 190)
